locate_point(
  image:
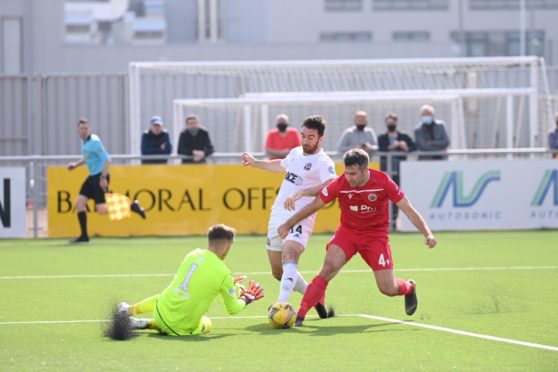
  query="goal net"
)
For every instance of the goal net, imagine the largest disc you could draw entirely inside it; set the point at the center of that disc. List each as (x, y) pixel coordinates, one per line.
(485, 119)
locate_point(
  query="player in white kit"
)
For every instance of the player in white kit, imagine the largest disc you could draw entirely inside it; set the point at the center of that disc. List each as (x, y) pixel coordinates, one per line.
(308, 170)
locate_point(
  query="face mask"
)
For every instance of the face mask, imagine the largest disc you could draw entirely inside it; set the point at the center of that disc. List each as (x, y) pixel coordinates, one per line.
(282, 127)
(193, 131)
(426, 119)
(391, 127)
(360, 127)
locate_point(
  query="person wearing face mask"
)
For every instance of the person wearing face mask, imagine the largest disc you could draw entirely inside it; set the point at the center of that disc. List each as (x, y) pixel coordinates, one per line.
(431, 134)
(194, 142)
(282, 139)
(553, 138)
(393, 140)
(359, 136)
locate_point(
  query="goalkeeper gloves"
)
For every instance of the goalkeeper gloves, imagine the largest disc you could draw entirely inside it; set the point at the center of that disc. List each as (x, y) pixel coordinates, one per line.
(239, 279)
(252, 293)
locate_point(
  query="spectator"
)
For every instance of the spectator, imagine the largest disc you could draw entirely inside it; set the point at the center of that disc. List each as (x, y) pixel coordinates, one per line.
(430, 134)
(155, 141)
(281, 140)
(194, 142)
(393, 140)
(553, 138)
(359, 136)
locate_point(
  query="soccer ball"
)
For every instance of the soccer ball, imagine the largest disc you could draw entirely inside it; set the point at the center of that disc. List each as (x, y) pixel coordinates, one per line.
(281, 315)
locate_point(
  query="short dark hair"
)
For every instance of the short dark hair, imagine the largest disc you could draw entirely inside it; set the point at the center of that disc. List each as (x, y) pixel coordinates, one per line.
(391, 116)
(83, 121)
(192, 116)
(356, 156)
(317, 122)
(220, 232)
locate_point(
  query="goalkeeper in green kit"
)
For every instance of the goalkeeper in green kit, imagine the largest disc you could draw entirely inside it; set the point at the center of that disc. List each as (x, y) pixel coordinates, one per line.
(179, 310)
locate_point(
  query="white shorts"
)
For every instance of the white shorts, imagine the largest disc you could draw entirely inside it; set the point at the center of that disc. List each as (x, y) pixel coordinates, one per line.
(299, 233)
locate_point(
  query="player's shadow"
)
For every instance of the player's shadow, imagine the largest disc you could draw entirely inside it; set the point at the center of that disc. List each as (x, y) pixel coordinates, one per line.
(189, 338)
(324, 330)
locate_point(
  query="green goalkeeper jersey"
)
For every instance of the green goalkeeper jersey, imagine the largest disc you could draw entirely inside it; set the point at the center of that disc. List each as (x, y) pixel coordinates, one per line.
(201, 277)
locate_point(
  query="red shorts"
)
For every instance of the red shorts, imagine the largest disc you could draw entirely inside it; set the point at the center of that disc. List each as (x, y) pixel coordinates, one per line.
(373, 248)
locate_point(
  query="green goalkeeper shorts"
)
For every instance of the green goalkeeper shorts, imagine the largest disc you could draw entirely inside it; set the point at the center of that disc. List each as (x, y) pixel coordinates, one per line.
(204, 326)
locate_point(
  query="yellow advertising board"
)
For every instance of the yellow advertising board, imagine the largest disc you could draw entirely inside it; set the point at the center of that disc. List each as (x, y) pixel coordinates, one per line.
(178, 199)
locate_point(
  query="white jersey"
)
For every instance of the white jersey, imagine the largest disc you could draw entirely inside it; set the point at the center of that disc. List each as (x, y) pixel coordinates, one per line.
(302, 172)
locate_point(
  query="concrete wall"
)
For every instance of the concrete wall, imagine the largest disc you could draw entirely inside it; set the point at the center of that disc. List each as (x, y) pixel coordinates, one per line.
(267, 30)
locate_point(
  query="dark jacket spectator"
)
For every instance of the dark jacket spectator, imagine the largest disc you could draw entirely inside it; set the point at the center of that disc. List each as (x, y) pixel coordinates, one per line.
(155, 141)
(194, 141)
(393, 140)
(553, 139)
(431, 135)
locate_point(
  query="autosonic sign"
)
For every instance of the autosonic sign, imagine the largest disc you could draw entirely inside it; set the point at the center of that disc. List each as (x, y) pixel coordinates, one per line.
(482, 195)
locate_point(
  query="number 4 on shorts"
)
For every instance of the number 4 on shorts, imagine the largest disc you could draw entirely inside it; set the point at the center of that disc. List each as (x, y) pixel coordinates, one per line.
(382, 260)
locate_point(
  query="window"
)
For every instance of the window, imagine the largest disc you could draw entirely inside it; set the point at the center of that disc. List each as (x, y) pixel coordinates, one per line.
(410, 4)
(115, 22)
(11, 45)
(411, 36)
(343, 5)
(534, 41)
(511, 4)
(499, 43)
(337, 37)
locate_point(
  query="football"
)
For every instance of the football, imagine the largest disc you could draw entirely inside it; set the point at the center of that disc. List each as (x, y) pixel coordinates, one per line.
(281, 315)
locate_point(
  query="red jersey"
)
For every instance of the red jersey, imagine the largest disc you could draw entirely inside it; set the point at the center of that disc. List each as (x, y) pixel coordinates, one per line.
(276, 142)
(364, 208)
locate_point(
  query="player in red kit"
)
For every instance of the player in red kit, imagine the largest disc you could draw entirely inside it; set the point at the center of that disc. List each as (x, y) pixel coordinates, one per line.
(363, 195)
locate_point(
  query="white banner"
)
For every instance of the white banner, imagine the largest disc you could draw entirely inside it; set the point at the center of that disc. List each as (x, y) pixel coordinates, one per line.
(482, 194)
(12, 202)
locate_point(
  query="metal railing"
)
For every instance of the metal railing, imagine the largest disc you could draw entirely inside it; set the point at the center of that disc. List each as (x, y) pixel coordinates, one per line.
(36, 167)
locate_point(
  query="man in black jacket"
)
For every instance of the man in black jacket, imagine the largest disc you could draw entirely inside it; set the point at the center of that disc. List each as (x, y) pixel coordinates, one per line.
(393, 140)
(194, 142)
(155, 141)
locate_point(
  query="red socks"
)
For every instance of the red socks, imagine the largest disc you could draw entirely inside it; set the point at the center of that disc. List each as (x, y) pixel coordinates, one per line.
(314, 292)
(405, 287)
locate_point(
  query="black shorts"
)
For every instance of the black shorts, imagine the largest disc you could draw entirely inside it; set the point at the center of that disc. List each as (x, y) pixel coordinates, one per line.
(92, 190)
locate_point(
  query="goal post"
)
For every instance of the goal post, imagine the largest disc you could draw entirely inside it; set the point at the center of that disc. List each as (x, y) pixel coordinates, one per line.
(246, 120)
(155, 85)
(242, 123)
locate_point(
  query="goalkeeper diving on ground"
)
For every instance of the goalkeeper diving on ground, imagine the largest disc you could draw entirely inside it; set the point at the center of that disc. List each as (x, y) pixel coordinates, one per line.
(179, 310)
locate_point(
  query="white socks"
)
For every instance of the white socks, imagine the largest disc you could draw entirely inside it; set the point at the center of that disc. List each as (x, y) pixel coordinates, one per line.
(291, 280)
(301, 284)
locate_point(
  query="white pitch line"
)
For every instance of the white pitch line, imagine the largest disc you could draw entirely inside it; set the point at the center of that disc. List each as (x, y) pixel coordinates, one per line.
(34, 322)
(367, 316)
(424, 269)
(455, 331)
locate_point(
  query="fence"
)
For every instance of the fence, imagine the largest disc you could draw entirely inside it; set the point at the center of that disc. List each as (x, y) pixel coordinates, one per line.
(39, 113)
(36, 171)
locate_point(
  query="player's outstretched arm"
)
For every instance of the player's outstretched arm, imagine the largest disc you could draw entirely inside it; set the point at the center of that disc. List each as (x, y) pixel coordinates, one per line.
(417, 220)
(311, 191)
(269, 165)
(308, 210)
